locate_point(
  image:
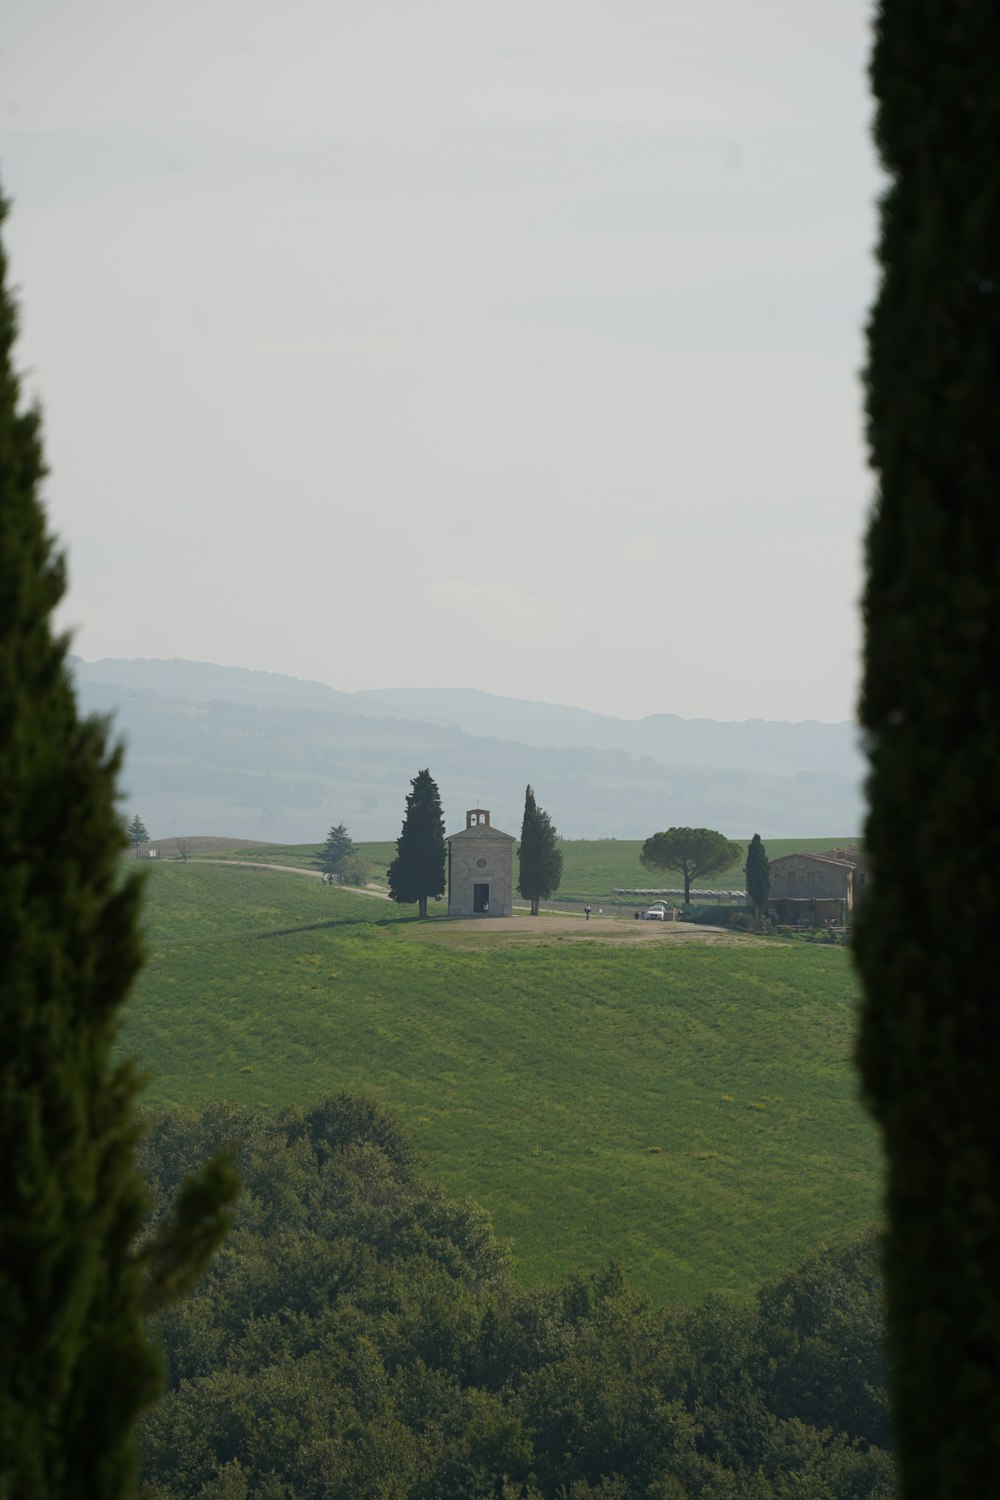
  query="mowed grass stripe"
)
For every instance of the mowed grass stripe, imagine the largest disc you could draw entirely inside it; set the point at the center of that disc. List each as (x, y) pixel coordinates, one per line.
(690, 1109)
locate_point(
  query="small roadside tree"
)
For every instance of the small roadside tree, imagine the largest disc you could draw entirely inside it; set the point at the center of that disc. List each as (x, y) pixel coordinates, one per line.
(337, 850)
(137, 834)
(758, 873)
(418, 869)
(691, 852)
(76, 1366)
(539, 858)
(356, 870)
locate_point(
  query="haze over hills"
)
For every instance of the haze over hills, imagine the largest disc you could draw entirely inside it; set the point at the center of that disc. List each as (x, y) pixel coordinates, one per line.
(213, 749)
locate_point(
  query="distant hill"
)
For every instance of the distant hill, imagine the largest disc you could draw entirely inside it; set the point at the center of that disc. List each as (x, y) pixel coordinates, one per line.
(212, 749)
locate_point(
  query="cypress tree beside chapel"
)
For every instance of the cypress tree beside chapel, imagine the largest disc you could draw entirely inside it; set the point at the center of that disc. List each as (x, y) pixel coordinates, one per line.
(539, 858)
(75, 1365)
(418, 869)
(929, 1048)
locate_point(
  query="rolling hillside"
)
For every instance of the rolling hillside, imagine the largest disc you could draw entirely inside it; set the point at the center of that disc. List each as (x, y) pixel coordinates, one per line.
(692, 1109)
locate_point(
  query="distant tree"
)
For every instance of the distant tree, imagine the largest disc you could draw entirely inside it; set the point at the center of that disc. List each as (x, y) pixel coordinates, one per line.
(929, 1046)
(691, 852)
(76, 1366)
(758, 873)
(418, 869)
(137, 834)
(540, 860)
(356, 870)
(338, 848)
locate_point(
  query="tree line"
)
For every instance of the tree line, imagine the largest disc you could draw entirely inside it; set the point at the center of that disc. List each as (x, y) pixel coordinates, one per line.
(362, 1335)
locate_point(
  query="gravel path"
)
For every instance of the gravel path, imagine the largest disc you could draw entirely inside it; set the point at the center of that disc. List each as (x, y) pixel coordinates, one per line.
(258, 864)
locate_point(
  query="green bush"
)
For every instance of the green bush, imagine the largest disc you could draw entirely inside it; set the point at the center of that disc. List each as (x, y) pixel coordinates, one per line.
(735, 918)
(823, 935)
(361, 1336)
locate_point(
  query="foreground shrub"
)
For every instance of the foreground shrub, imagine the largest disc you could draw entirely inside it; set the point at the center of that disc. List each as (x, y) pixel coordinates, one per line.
(362, 1335)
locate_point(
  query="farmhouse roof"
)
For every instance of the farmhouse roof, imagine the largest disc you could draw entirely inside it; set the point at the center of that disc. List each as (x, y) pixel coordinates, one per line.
(819, 859)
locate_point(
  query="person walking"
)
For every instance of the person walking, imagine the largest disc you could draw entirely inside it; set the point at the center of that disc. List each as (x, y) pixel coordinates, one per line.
(586, 912)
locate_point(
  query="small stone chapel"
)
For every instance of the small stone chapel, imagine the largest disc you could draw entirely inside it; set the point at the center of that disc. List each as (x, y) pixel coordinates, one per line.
(480, 869)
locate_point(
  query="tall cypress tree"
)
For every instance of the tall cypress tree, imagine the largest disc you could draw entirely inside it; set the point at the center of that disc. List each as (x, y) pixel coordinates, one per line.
(539, 858)
(758, 873)
(75, 1365)
(418, 869)
(929, 1048)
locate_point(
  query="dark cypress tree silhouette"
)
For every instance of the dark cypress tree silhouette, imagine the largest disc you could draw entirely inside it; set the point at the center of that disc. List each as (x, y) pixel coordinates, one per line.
(758, 873)
(929, 1048)
(75, 1364)
(539, 858)
(418, 869)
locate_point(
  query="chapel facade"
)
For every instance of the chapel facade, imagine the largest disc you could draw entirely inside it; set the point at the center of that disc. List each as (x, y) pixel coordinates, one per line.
(480, 868)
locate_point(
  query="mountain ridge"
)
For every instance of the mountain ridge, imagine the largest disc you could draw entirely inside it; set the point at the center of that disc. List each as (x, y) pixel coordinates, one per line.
(280, 758)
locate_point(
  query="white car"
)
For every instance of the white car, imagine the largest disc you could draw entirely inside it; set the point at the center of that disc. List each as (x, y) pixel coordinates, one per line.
(657, 912)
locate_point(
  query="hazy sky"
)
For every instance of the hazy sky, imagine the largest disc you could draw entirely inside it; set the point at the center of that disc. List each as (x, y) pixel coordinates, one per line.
(452, 344)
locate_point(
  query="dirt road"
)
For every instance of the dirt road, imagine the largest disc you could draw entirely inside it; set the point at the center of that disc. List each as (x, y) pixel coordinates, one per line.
(522, 928)
(258, 864)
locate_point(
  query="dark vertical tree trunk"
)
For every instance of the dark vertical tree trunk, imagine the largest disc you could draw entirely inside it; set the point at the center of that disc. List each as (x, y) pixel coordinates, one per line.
(929, 1048)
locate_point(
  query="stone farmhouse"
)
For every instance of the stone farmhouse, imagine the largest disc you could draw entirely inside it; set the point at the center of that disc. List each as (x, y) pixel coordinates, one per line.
(817, 889)
(480, 869)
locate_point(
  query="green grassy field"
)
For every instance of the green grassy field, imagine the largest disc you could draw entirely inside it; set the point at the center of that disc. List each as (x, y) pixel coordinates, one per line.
(592, 868)
(691, 1109)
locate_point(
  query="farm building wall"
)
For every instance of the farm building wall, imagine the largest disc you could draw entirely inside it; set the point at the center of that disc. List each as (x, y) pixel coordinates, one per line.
(811, 877)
